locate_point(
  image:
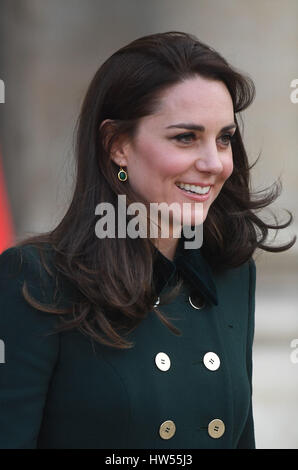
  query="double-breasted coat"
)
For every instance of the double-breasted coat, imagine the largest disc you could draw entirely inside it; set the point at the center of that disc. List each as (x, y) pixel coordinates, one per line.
(191, 391)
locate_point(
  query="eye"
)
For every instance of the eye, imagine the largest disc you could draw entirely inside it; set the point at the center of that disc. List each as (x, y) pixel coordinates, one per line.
(180, 137)
(226, 139)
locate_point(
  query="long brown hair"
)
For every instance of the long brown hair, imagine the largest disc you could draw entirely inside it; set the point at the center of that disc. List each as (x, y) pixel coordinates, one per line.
(114, 276)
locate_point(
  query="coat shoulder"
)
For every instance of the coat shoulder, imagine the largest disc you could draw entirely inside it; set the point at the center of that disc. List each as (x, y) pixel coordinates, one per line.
(21, 271)
(242, 277)
(31, 350)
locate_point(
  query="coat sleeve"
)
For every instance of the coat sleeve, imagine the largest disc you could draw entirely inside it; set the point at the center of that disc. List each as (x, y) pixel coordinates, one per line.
(247, 438)
(29, 354)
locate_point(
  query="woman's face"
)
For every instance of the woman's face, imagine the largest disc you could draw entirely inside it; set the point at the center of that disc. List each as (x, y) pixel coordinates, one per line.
(186, 142)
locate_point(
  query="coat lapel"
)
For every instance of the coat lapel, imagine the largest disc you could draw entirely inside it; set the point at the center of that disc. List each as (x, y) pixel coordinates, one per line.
(193, 268)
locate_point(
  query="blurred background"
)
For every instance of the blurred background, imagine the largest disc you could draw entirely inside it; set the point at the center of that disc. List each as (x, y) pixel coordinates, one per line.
(50, 50)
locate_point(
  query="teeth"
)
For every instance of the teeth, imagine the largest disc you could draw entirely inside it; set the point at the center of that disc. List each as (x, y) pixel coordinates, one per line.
(193, 188)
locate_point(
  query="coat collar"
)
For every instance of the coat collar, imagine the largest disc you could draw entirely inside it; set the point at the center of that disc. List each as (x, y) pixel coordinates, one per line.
(192, 266)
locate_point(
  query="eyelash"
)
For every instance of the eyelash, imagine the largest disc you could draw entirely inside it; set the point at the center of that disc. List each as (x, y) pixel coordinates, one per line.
(191, 134)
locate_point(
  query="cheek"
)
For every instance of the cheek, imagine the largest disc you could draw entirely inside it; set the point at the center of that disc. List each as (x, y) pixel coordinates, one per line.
(149, 156)
(227, 168)
(159, 160)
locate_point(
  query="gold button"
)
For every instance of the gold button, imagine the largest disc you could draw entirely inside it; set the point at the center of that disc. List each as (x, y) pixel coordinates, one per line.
(167, 429)
(216, 428)
(162, 361)
(197, 304)
(211, 360)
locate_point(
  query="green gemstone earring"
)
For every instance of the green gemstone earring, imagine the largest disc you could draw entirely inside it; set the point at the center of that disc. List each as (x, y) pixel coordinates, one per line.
(122, 175)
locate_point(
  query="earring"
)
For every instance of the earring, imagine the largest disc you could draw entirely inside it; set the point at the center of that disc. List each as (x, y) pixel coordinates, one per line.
(122, 174)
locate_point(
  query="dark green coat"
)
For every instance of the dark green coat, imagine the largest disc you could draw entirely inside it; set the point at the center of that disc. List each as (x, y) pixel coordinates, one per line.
(65, 391)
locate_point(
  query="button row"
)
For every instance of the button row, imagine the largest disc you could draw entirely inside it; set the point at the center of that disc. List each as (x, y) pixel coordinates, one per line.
(210, 360)
(216, 429)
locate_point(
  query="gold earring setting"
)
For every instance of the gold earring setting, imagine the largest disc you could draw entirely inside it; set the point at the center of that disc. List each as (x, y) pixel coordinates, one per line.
(122, 174)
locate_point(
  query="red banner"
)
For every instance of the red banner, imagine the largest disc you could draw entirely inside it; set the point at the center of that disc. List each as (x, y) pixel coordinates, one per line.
(6, 224)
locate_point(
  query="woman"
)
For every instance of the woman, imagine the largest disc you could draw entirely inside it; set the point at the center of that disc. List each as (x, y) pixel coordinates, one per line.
(141, 341)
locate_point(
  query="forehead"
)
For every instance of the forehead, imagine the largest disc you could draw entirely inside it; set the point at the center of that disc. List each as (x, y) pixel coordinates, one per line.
(196, 99)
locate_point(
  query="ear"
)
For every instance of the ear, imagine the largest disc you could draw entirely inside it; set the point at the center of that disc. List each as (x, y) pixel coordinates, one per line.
(118, 150)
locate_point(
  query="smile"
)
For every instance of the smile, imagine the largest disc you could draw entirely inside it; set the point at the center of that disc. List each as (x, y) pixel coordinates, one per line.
(192, 188)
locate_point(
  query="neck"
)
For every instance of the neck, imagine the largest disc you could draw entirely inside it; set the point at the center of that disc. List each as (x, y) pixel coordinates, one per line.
(167, 246)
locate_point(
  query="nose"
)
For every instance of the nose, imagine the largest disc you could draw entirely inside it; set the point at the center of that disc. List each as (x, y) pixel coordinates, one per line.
(209, 160)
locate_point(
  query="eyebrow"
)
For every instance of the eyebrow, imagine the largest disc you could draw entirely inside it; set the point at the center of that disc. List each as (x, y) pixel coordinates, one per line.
(197, 127)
